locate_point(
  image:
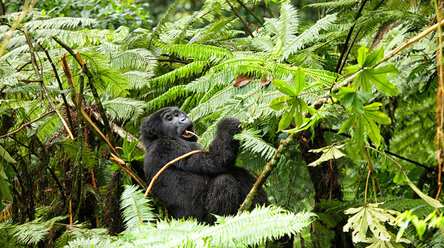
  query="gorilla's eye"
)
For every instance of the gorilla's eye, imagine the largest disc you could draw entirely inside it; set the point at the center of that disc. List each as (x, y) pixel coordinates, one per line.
(169, 118)
(176, 114)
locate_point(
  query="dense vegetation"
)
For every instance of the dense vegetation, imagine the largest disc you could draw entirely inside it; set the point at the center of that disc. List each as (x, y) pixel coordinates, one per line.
(341, 104)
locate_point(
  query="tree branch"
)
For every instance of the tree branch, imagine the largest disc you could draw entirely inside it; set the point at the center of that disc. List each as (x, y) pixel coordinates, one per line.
(26, 124)
(241, 19)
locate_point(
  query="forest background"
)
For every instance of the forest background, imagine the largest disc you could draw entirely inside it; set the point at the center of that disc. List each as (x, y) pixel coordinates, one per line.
(341, 106)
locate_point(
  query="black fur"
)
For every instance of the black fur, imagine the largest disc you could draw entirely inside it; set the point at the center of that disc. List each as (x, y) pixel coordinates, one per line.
(200, 185)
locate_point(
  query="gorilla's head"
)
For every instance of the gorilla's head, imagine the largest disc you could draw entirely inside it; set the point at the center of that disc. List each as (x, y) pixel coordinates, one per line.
(169, 121)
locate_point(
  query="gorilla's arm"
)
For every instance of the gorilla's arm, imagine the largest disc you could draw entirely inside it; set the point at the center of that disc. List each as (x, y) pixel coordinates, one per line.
(221, 155)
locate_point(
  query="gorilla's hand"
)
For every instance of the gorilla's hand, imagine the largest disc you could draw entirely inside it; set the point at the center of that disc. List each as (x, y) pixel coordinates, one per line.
(228, 126)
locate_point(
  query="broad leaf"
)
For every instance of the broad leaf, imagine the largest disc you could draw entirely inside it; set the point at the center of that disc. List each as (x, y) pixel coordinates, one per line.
(362, 55)
(5, 155)
(328, 153)
(286, 118)
(299, 80)
(279, 103)
(284, 87)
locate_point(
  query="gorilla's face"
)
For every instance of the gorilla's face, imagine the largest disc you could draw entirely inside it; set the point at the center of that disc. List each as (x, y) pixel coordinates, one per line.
(169, 121)
(176, 123)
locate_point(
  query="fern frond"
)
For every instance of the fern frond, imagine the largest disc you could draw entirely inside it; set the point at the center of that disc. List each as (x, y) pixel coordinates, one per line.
(270, 222)
(309, 35)
(124, 108)
(172, 94)
(61, 23)
(253, 142)
(138, 59)
(182, 72)
(31, 233)
(138, 79)
(198, 52)
(334, 4)
(136, 208)
(289, 23)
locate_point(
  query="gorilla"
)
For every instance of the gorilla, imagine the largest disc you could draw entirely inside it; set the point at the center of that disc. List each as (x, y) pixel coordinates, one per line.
(204, 183)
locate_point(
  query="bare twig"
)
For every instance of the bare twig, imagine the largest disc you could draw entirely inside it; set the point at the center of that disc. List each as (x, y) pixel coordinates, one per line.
(91, 81)
(168, 165)
(26, 124)
(68, 112)
(241, 19)
(34, 65)
(344, 49)
(250, 12)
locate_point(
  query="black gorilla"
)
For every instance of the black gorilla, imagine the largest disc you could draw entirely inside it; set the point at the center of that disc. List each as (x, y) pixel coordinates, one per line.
(200, 185)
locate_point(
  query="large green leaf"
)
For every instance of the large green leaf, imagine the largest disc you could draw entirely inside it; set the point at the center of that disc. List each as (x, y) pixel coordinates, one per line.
(5, 155)
(299, 80)
(286, 118)
(284, 87)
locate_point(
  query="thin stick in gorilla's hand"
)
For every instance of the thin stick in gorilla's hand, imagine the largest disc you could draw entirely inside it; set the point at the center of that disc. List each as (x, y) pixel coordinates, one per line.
(167, 165)
(191, 133)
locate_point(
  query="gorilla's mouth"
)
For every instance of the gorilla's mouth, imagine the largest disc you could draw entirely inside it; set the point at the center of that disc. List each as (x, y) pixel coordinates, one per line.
(188, 132)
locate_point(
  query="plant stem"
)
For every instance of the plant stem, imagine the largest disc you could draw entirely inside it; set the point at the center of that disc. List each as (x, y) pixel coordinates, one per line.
(241, 19)
(251, 12)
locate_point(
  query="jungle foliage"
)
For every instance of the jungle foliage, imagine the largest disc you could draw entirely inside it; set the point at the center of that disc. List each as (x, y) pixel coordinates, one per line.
(341, 106)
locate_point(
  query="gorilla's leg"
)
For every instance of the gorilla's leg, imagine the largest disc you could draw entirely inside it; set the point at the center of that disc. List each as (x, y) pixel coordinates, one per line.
(223, 196)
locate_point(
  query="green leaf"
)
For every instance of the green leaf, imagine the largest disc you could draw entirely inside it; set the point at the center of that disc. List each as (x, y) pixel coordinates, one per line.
(347, 124)
(286, 118)
(362, 55)
(373, 58)
(429, 200)
(284, 87)
(279, 103)
(378, 77)
(5, 190)
(328, 153)
(301, 108)
(362, 80)
(359, 131)
(299, 80)
(373, 131)
(399, 178)
(4, 154)
(373, 106)
(352, 68)
(378, 117)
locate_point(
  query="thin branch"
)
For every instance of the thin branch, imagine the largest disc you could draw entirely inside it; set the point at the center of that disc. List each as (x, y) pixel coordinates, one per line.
(34, 65)
(250, 12)
(168, 165)
(68, 112)
(122, 165)
(269, 167)
(23, 66)
(26, 124)
(241, 19)
(348, 37)
(91, 84)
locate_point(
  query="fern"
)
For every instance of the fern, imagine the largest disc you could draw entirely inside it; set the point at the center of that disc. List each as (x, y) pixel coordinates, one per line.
(309, 35)
(198, 52)
(32, 232)
(135, 207)
(254, 228)
(252, 142)
(124, 108)
(334, 4)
